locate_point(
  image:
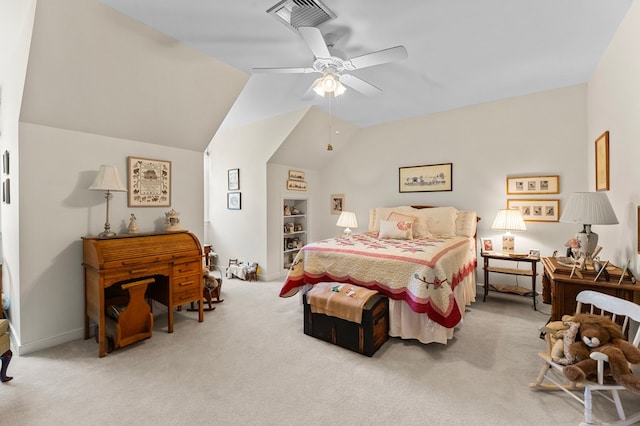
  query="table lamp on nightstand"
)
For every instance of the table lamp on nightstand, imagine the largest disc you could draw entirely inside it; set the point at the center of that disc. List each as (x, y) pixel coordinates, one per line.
(347, 220)
(588, 208)
(508, 220)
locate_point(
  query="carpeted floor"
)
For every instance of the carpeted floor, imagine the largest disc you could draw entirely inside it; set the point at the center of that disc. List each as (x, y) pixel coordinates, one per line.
(250, 363)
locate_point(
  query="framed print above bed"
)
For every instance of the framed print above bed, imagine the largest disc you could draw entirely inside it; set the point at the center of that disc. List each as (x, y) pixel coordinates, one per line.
(149, 182)
(428, 178)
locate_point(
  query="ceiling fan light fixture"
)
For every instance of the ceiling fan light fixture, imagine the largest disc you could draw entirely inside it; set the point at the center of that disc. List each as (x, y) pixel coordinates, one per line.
(328, 83)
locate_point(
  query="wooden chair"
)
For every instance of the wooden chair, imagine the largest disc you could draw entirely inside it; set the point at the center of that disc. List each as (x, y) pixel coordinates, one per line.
(135, 322)
(5, 350)
(551, 377)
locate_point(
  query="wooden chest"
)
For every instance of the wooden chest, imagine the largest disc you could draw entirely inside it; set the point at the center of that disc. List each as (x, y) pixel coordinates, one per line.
(365, 338)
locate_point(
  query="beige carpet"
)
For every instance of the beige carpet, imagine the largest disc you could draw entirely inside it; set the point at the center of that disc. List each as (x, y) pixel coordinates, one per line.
(250, 363)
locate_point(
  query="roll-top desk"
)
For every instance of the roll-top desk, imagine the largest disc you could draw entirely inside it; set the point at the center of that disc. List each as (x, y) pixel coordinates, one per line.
(174, 259)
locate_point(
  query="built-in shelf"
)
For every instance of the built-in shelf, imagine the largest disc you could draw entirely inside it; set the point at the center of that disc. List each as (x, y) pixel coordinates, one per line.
(294, 229)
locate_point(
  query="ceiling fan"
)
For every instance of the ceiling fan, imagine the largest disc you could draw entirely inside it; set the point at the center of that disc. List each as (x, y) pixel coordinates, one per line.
(332, 64)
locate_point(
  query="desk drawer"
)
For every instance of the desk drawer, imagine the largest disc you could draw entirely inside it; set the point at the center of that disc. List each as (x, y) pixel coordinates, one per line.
(191, 282)
(183, 296)
(187, 268)
(135, 272)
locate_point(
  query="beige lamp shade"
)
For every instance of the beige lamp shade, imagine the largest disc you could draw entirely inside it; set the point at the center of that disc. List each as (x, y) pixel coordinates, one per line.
(107, 180)
(508, 220)
(347, 220)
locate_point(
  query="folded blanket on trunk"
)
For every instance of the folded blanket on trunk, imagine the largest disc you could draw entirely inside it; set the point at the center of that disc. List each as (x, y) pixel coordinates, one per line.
(344, 301)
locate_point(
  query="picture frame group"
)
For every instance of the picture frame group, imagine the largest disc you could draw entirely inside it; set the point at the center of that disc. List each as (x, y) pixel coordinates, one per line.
(537, 210)
(526, 185)
(295, 181)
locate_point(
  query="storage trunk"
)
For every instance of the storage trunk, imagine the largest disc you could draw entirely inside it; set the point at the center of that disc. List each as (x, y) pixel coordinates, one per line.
(365, 338)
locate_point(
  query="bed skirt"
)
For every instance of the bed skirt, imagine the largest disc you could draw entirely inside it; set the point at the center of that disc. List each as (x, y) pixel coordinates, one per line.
(407, 324)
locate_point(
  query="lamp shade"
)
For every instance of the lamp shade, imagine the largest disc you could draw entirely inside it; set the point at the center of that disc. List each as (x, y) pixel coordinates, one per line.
(509, 220)
(592, 208)
(107, 180)
(347, 220)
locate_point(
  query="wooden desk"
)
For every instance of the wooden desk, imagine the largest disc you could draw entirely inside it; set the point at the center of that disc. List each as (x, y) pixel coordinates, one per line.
(531, 272)
(174, 259)
(561, 291)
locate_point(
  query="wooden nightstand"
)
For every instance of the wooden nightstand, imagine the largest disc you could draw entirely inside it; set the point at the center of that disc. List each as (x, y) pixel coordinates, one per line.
(560, 289)
(531, 272)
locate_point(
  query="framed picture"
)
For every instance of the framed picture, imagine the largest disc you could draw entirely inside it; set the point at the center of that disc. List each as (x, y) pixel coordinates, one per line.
(533, 185)
(296, 185)
(430, 178)
(5, 162)
(486, 245)
(602, 162)
(337, 203)
(149, 182)
(233, 179)
(537, 210)
(296, 175)
(234, 200)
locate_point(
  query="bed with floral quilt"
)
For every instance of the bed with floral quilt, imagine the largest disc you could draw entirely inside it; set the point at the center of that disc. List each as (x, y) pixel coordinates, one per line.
(422, 259)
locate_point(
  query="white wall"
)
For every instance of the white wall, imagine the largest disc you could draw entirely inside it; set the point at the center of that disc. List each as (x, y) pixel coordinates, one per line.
(614, 105)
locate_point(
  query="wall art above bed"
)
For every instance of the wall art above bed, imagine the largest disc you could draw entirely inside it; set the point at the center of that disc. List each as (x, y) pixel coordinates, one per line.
(527, 185)
(428, 178)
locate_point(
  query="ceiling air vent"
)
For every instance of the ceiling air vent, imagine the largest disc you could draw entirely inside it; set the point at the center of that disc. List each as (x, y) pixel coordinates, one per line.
(301, 13)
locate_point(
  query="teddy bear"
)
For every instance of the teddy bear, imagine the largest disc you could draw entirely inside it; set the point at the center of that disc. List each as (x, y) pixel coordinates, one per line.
(600, 334)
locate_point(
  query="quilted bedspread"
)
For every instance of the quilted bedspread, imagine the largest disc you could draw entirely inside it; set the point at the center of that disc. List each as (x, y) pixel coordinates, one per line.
(422, 272)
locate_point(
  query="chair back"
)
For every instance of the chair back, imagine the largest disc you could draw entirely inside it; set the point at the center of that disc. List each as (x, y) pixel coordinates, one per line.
(620, 310)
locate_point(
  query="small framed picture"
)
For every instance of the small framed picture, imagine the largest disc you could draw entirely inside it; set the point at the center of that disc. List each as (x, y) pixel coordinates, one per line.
(535, 253)
(337, 203)
(233, 179)
(296, 175)
(234, 200)
(486, 245)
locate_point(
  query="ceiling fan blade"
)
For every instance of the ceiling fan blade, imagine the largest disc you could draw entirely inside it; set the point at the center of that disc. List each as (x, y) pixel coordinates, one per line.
(316, 42)
(359, 85)
(380, 57)
(283, 70)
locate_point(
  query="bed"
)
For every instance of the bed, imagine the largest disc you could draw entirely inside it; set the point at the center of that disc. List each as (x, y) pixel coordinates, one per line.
(423, 259)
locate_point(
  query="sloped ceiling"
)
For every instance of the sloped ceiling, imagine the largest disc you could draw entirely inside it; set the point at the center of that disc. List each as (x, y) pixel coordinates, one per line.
(92, 69)
(461, 53)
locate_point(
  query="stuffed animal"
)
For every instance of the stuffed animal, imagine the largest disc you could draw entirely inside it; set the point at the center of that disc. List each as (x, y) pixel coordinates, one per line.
(600, 334)
(561, 334)
(209, 280)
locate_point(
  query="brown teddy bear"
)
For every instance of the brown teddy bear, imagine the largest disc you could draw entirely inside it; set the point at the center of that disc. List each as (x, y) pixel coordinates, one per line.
(600, 334)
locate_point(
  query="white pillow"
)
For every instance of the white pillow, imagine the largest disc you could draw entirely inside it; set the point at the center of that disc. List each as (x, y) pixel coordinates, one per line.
(398, 230)
(439, 220)
(466, 222)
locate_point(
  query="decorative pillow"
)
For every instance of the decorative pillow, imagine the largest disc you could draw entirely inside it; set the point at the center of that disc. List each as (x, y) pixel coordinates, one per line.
(398, 230)
(419, 228)
(466, 222)
(381, 213)
(439, 220)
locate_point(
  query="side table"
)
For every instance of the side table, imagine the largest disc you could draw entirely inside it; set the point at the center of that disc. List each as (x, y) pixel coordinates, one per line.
(560, 289)
(531, 272)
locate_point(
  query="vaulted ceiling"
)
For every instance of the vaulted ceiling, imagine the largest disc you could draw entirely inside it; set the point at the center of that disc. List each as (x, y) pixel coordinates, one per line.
(460, 52)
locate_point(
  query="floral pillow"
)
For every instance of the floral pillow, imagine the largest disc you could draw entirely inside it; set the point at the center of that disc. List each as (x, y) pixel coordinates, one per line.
(397, 230)
(419, 228)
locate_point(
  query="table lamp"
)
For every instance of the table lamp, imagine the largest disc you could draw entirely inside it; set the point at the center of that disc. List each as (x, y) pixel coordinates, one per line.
(347, 220)
(107, 180)
(508, 220)
(588, 208)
